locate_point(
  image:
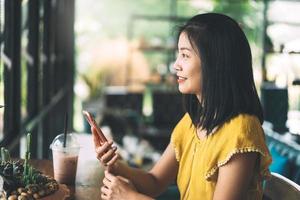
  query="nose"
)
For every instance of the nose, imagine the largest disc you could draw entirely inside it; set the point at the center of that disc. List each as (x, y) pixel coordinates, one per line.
(177, 65)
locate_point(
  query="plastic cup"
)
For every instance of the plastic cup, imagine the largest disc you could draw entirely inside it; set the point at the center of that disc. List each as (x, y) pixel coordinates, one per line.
(65, 159)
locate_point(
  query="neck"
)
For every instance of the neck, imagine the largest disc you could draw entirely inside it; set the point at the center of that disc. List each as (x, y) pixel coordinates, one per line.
(198, 97)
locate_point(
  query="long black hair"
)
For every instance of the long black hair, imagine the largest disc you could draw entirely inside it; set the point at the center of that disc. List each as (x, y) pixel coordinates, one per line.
(227, 84)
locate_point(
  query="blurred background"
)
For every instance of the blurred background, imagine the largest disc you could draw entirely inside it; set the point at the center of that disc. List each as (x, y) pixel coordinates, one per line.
(114, 58)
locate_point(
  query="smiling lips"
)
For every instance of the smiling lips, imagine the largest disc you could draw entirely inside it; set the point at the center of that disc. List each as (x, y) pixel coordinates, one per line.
(180, 79)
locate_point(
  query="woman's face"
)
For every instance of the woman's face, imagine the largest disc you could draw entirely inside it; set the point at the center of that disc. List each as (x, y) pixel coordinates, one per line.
(188, 67)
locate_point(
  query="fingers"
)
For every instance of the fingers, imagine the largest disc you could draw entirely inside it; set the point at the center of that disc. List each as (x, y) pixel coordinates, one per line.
(103, 196)
(104, 148)
(106, 188)
(105, 192)
(115, 187)
(110, 181)
(109, 155)
(107, 182)
(109, 176)
(114, 159)
(105, 152)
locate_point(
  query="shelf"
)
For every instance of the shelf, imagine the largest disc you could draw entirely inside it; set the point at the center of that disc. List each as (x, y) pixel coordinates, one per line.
(278, 52)
(159, 18)
(156, 48)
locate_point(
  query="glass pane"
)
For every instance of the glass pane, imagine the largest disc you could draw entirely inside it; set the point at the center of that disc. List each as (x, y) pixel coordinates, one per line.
(25, 57)
(1, 68)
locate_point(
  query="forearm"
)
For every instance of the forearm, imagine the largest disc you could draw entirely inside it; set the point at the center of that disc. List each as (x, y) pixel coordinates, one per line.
(145, 182)
(139, 196)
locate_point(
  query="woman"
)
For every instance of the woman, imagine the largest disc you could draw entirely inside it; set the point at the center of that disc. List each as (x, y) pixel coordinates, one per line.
(217, 150)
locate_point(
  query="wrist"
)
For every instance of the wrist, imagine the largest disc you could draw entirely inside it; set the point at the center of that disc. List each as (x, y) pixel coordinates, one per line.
(116, 168)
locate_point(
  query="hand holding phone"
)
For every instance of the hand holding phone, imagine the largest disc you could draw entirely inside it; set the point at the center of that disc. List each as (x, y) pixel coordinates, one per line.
(99, 138)
(105, 152)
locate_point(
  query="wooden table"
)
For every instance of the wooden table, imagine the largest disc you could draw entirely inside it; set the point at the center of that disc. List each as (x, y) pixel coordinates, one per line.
(89, 174)
(86, 187)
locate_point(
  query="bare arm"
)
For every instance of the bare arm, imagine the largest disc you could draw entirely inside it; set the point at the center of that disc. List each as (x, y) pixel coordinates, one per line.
(155, 181)
(234, 177)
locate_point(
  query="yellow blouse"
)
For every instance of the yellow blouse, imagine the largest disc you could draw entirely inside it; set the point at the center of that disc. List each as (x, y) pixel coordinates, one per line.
(200, 159)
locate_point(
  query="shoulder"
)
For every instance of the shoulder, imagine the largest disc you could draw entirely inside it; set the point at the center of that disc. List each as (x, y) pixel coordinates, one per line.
(241, 134)
(243, 126)
(184, 123)
(180, 134)
(186, 119)
(243, 121)
(242, 131)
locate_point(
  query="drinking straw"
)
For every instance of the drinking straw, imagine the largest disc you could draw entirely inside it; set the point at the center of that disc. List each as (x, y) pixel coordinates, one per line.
(66, 129)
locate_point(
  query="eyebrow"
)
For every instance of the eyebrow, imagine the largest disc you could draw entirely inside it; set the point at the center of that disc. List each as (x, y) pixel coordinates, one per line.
(185, 48)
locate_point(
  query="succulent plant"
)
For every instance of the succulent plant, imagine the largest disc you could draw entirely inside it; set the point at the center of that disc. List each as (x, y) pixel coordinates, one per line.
(22, 181)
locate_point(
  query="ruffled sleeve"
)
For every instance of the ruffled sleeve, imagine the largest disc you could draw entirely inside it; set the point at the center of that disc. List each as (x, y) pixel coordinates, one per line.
(177, 137)
(241, 134)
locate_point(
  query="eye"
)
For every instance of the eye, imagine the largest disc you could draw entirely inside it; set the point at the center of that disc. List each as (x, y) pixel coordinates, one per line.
(183, 55)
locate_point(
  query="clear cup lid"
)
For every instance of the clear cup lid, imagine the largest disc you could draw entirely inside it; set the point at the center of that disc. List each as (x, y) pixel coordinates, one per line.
(71, 142)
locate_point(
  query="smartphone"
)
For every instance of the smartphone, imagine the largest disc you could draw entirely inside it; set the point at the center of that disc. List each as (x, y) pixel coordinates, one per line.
(93, 124)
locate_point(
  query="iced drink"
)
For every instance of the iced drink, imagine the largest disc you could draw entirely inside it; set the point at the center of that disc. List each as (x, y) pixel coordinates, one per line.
(65, 158)
(64, 166)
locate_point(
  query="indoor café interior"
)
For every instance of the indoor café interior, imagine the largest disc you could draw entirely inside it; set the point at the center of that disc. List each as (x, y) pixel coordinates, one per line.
(88, 84)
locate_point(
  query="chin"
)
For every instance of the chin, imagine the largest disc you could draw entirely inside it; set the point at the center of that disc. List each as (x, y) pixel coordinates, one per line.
(188, 91)
(183, 91)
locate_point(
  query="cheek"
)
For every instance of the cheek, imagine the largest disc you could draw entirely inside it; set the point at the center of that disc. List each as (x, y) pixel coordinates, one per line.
(197, 80)
(197, 83)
